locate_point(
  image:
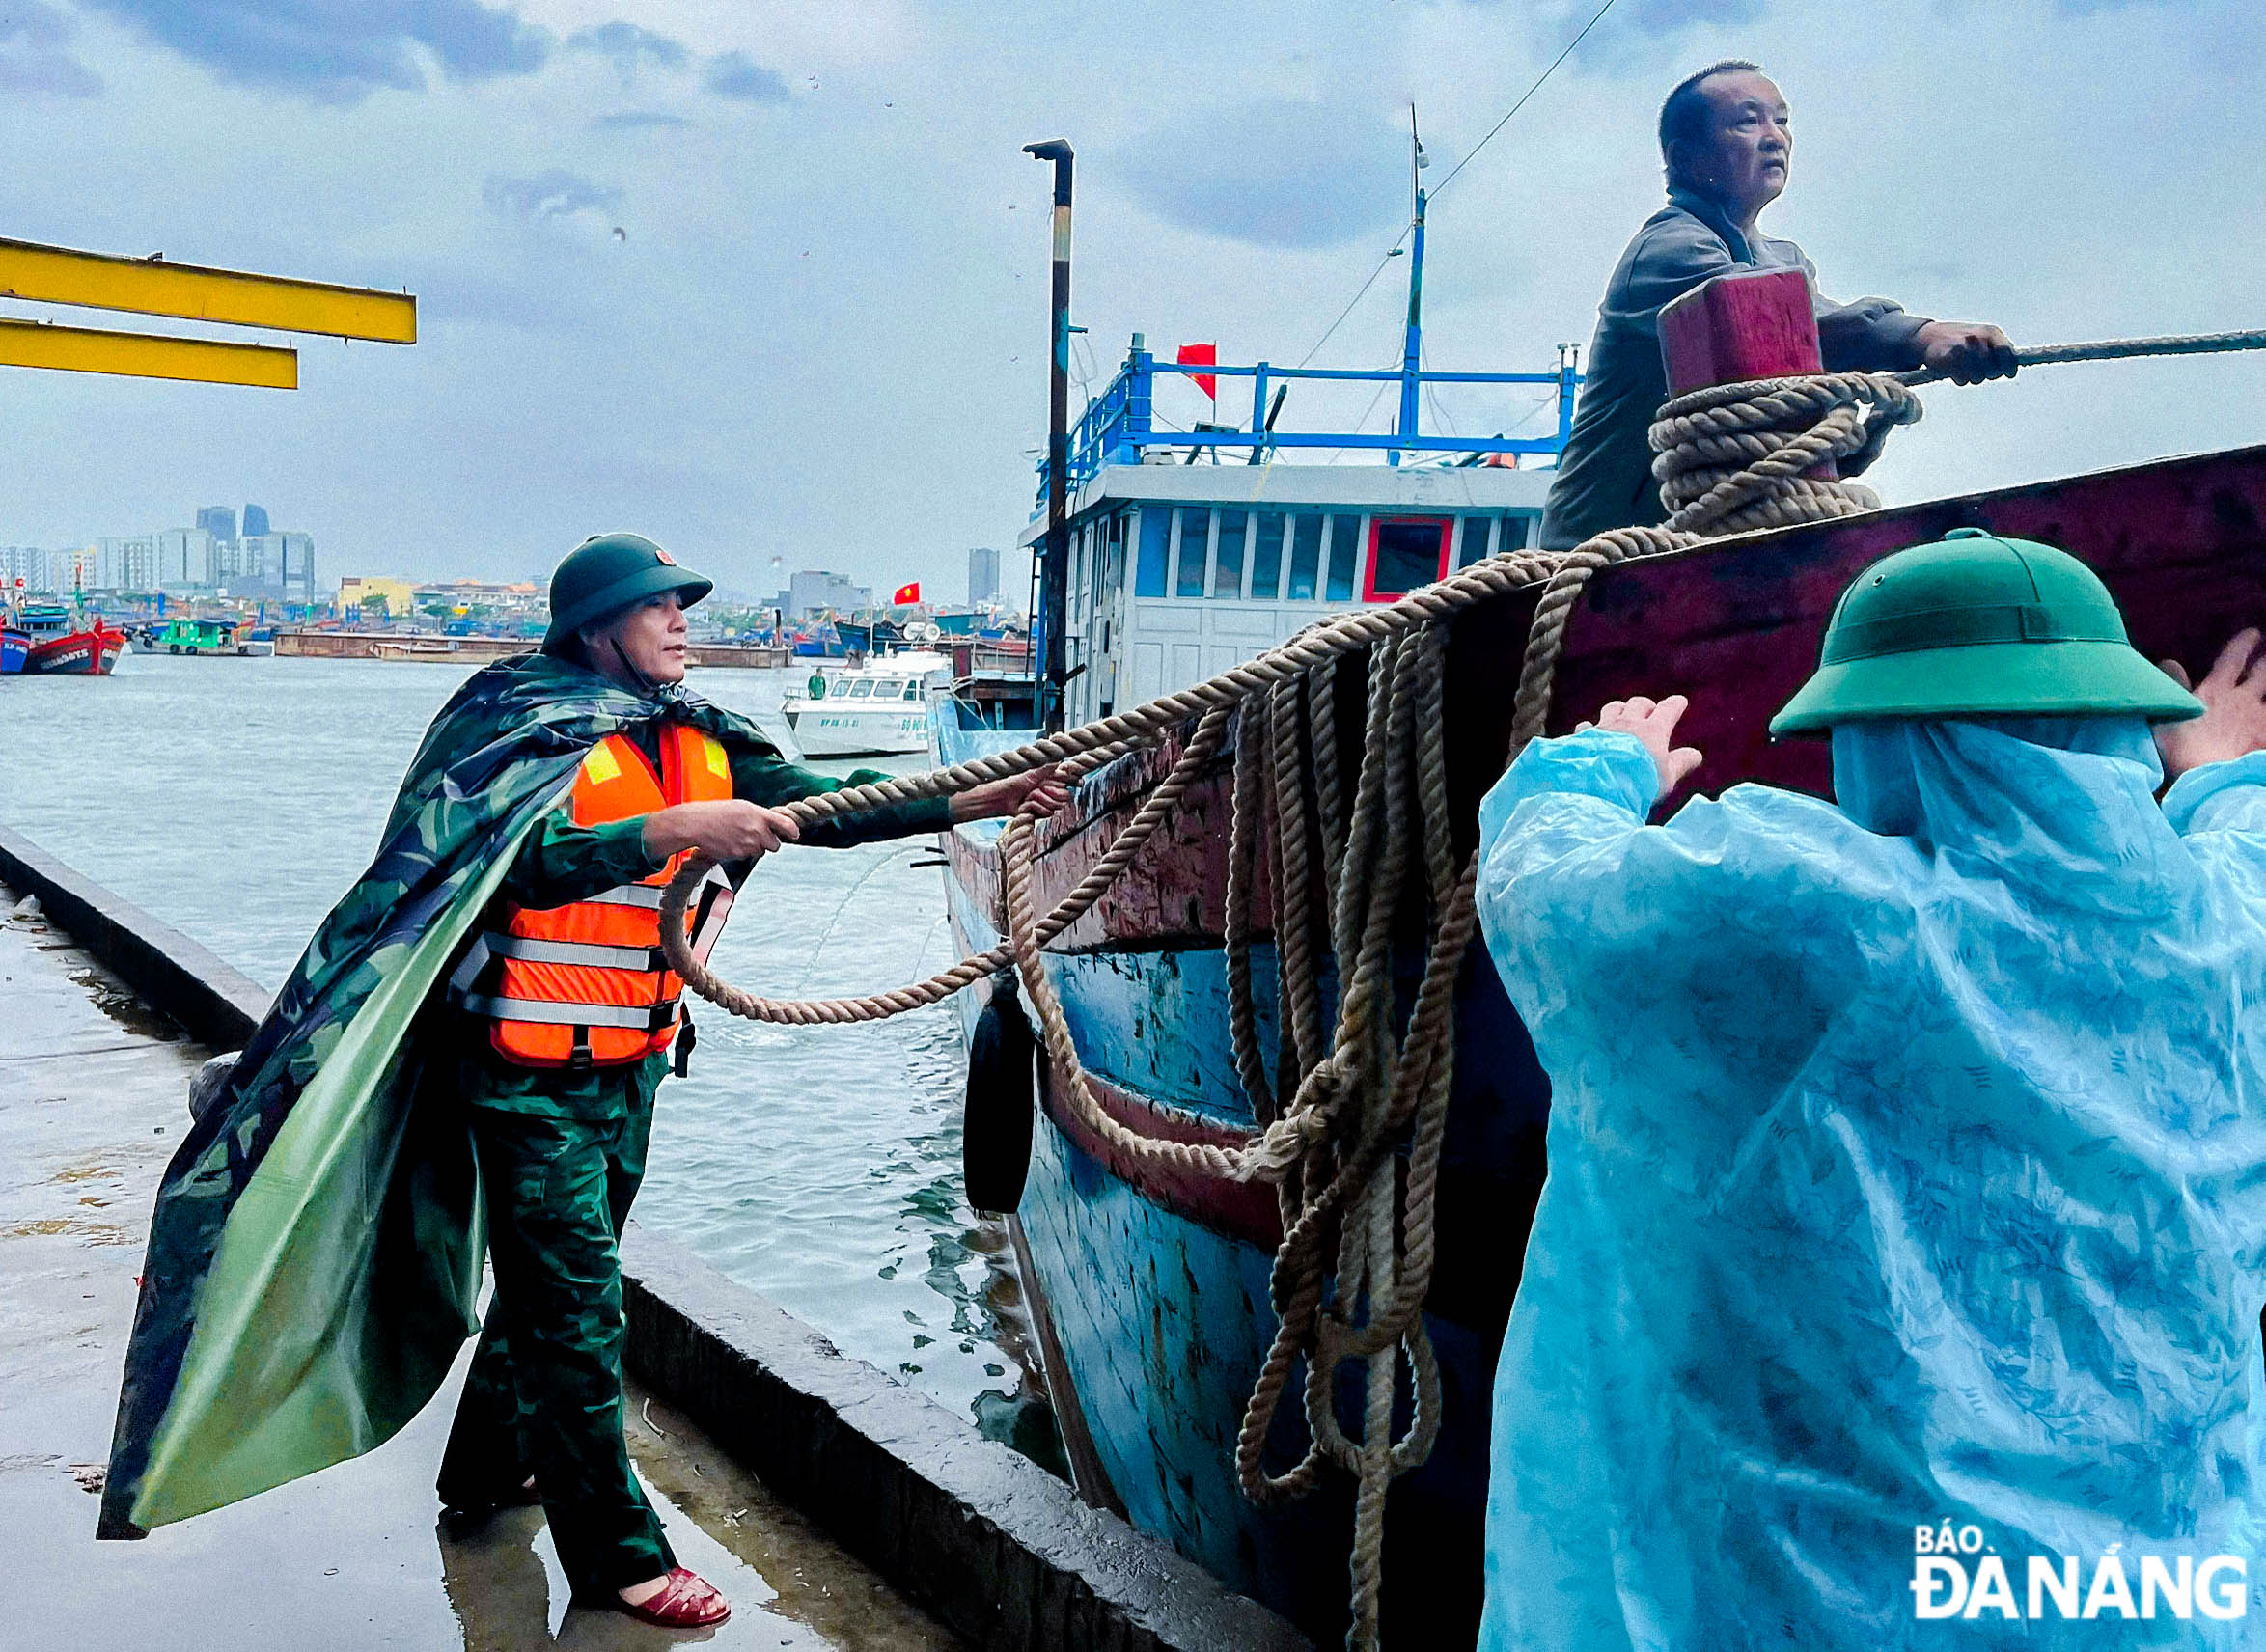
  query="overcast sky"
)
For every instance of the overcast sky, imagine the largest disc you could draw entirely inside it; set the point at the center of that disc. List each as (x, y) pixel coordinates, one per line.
(821, 333)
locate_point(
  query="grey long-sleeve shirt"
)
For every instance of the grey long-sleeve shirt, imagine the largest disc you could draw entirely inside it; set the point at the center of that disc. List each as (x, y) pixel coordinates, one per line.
(1605, 476)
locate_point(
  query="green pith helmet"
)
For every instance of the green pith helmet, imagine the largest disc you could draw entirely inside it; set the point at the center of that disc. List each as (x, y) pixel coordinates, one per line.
(610, 573)
(1975, 625)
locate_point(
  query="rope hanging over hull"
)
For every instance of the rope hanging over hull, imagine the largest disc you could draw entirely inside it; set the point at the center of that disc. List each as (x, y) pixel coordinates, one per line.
(1352, 1140)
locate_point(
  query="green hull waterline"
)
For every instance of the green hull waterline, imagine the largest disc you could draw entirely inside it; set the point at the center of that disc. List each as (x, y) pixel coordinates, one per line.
(348, 1275)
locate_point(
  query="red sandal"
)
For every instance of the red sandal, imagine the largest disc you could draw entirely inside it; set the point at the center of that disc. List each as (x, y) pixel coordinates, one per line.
(684, 1602)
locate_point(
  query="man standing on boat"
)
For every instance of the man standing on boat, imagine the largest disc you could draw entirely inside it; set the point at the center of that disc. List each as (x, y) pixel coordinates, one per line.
(1904, 1237)
(491, 992)
(1727, 140)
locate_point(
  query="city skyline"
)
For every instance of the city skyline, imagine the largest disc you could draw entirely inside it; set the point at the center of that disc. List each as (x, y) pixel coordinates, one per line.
(800, 311)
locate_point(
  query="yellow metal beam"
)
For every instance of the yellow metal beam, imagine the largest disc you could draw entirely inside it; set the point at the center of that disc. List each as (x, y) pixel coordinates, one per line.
(146, 355)
(152, 287)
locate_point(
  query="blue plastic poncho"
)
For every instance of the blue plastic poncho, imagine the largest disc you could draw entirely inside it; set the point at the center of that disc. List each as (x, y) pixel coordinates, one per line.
(1906, 1197)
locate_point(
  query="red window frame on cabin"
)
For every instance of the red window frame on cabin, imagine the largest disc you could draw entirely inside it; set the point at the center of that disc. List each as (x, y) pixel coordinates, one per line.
(1377, 526)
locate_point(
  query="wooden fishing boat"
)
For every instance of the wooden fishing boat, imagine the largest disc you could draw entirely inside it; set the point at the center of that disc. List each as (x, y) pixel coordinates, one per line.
(62, 645)
(200, 637)
(1147, 1276)
(1149, 1285)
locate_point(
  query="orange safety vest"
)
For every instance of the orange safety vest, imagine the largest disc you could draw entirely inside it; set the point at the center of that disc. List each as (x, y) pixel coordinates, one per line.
(585, 984)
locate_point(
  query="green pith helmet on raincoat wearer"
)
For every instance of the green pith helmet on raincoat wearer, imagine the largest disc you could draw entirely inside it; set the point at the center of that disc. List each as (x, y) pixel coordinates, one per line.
(1975, 625)
(607, 573)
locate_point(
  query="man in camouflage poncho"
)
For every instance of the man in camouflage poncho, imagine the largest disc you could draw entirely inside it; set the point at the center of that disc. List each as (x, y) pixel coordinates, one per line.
(314, 1255)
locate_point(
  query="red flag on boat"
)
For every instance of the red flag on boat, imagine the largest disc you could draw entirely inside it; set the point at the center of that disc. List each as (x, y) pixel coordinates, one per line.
(907, 593)
(1202, 355)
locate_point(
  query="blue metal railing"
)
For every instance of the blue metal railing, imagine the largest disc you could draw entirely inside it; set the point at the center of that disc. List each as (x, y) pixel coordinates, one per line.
(1118, 427)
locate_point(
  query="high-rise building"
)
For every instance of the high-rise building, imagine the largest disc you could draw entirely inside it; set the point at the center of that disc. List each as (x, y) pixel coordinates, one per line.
(235, 560)
(982, 576)
(29, 563)
(128, 564)
(185, 558)
(814, 591)
(220, 521)
(295, 564)
(79, 569)
(279, 563)
(256, 520)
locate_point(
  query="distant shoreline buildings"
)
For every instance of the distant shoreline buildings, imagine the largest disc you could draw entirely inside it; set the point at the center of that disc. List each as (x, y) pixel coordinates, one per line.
(815, 591)
(212, 559)
(231, 558)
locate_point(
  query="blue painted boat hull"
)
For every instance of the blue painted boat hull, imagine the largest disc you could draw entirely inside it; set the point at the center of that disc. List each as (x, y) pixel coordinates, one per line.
(1159, 1321)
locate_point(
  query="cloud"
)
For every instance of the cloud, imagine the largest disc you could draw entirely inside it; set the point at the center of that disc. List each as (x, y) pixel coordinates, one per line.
(636, 120)
(553, 194)
(338, 51)
(736, 75)
(1673, 16)
(1274, 172)
(628, 46)
(31, 58)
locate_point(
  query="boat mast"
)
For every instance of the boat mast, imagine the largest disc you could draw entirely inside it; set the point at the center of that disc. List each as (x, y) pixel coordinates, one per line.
(1054, 585)
(1413, 347)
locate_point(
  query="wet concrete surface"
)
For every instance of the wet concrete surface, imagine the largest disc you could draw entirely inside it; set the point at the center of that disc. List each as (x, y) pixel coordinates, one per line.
(93, 1099)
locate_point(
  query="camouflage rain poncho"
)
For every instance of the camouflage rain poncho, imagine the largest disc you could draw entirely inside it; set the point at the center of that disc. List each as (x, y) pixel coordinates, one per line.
(315, 1256)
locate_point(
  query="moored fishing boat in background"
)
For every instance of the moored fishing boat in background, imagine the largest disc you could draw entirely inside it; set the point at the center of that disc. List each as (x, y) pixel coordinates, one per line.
(208, 637)
(64, 645)
(874, 710)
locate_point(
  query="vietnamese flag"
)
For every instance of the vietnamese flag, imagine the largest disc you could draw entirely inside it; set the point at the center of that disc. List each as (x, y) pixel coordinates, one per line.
(1202, 355)
(907, 593)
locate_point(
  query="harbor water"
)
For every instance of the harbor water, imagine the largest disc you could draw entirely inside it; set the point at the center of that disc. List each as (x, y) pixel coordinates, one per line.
(237, 798)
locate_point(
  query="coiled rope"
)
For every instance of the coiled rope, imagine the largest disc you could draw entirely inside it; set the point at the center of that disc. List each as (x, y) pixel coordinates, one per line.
(1350, 1135)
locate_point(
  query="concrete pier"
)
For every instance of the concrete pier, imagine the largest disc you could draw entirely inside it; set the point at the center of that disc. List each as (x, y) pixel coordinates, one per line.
(93, 1099)
(833, 1505)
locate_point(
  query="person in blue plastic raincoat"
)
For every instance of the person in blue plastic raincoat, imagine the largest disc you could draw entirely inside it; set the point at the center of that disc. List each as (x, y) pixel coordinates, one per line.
(1897, 1278)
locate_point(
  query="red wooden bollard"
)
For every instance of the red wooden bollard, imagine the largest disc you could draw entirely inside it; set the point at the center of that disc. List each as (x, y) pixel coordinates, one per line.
(1752, 323)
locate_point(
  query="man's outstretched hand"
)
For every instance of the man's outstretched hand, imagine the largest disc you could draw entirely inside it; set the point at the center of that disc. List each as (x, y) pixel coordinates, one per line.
(1654, 722)
(2233, 722)
(1966, 352)
(1039, 790)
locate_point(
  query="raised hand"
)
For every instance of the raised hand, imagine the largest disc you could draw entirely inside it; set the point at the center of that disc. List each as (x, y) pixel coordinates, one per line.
(1653, 722)
(2233, 722)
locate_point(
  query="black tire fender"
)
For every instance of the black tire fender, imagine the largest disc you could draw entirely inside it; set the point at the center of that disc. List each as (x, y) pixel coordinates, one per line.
(995, 1135)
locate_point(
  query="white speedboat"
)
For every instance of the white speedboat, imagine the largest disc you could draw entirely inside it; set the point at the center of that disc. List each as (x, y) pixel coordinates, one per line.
(874, 709)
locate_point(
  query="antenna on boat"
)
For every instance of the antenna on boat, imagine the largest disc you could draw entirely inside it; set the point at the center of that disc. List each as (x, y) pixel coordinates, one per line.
(1413, 349)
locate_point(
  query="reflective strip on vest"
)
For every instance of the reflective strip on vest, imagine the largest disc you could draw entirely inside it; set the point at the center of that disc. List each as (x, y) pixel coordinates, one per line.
(646, 960)
(650, 1019)
(594, 966)
(648, 896)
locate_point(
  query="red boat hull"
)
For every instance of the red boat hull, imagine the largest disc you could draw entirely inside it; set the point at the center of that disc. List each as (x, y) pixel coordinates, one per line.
(91, 652)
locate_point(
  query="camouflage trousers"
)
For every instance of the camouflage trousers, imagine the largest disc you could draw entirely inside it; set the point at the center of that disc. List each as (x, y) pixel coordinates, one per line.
(544, 1394)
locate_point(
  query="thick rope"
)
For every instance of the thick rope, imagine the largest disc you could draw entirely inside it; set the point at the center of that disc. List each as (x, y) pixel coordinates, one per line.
(1350, 1126)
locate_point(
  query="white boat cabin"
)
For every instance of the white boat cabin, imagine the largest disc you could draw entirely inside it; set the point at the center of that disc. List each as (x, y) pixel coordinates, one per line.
(1179, 573)
(871, 709)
